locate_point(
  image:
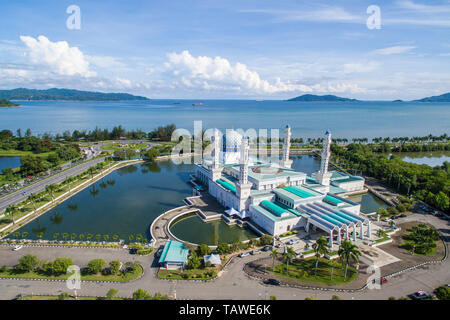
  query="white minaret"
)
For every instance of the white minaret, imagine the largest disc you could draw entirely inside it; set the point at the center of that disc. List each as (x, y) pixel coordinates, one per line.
(323, 176)
(243, 187)
(286, 162)
(216, 170)
(216, 151)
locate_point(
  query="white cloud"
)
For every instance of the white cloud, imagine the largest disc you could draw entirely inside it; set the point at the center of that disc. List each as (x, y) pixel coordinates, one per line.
(59, 56)
(360, 67)
(322, 14)
(393, 50)
(218, 73)
(424, 8)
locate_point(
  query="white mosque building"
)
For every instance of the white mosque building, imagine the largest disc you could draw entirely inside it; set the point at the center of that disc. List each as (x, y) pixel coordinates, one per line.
(278, 199)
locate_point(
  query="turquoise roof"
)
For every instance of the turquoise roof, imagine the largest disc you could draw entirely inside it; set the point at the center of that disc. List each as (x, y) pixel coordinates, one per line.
(299, 192)
(226, 185)
(174, 252)
(272, 207)
(333, 200)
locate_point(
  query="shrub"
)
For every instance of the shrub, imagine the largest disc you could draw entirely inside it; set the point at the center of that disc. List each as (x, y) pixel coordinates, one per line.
(203, 250)
(111, 294)
(27, 263)
(392, 210)
(61, 264)
(114, 266)
(266, 239)
(63, 296)
(401, 208)
(335, 297)
(443, 293)
(223, 248)
(144, 252)
(96, 265)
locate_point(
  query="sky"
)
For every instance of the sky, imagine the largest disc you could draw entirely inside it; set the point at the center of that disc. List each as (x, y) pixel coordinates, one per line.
(229, 49)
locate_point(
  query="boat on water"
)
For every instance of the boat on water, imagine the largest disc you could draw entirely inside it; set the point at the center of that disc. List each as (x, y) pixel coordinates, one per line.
(197, 104)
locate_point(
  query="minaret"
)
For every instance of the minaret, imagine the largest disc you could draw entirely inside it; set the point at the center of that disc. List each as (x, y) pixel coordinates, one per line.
(286, 162)
(216, 171)
(323, 176)
(243, 186)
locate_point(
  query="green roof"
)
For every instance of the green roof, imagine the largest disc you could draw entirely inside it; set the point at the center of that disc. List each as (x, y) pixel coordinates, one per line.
(226, 185)
(333, 200)
(272, 207)
(297, 213)
(299, 192)
(174, 252)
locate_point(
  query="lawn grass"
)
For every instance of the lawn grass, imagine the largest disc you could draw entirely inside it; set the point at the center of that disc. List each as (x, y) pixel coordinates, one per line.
(131, 146)
(303, 270)
(408, 243)
(56, 298)
(11, 273)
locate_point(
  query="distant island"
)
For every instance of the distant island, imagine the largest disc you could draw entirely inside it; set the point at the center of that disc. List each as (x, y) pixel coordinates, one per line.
(6, 103)
(442, 98)
(328, 98)
(64, 94)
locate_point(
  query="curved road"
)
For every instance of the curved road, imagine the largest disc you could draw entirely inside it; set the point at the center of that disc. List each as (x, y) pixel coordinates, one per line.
(233, 284)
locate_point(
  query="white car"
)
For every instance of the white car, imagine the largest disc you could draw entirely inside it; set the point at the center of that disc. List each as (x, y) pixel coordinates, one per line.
(293, 241)
(244, 254)
(17, 248)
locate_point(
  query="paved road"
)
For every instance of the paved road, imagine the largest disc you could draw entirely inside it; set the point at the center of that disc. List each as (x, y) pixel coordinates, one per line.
(233, 284)
(39, 186)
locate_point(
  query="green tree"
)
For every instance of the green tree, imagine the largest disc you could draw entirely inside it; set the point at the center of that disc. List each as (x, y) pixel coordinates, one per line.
(114, 266)
(141, 294)
(96, 265)
(320, 248)
(223, 248)
(111, 294)
(274, 254)
(347, 251)
(266, 240)
(11, 211)
(61, 264)
(27, 263)
(33, 198)
(203, 250)
(288, 256)
(442, 293)
(50, 189)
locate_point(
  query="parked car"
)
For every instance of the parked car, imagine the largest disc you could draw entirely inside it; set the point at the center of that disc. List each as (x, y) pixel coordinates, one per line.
(293, 241)
(254, 252)
(133, 250)
(402, 215)
(419, 295)
(17, 248)
(268, 248)
(244, 254)
(273, 282)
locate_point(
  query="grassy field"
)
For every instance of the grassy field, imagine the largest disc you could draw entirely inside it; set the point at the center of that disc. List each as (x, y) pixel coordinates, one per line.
(303, 270)
(10, 273)
(56, 298)
(19, 153)
(131, 146)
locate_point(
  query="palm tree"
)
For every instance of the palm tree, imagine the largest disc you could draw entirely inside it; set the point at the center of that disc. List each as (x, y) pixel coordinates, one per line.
(33, 199)
(320, 248)
(91, 171)
(115, 237)
(65, 235)
(288, 255)
(56, 236)
(89, 236)
(347, 251)
(333, 265)
(81, 237)
(106, 237)
(50, 189)
(11, 211)
(274, 254)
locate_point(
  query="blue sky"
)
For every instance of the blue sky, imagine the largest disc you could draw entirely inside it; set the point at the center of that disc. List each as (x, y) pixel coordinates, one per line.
(229, 49)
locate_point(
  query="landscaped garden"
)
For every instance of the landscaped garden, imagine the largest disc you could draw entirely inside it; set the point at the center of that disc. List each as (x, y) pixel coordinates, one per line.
(328, 271)
(30, 267)
(421, 239)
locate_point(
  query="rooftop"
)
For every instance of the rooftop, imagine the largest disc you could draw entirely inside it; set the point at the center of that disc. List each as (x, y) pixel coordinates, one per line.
(174, 252)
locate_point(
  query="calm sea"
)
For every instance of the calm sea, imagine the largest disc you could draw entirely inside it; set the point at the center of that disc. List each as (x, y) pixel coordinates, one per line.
(344, 119)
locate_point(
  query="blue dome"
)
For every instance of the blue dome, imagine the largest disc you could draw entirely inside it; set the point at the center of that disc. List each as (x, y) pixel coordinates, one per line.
(328, 132)
(288, 126)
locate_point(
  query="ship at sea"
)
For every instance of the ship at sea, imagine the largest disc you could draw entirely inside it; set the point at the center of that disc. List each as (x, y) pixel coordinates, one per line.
(197, 104)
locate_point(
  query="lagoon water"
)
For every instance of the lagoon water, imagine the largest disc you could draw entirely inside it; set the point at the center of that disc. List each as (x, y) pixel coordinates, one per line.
(9, 162)
(433, 158)
(308, 119)
(128, 200)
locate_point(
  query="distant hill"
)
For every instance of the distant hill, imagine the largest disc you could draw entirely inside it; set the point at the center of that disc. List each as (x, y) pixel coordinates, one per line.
(312, 97)
(442, 98)
(7, 103)
(64, 94)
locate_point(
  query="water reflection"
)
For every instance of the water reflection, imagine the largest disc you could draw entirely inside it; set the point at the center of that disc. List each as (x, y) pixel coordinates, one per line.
(56, 218)
(127, 170)
(93, 191)
(38, 230)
